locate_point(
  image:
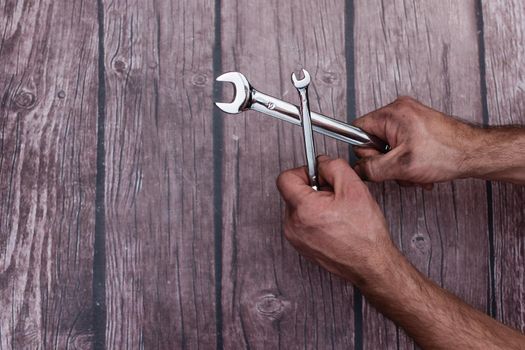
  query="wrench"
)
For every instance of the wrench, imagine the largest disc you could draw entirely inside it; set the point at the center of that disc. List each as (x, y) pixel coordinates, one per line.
(306, 120)
(246, 97)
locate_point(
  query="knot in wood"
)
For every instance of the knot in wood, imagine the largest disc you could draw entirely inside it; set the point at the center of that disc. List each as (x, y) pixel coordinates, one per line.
(270, 306)
(119, 66)
(420, 243)
(199, 79)
(61, 94)
(330, 78)
(25, 100)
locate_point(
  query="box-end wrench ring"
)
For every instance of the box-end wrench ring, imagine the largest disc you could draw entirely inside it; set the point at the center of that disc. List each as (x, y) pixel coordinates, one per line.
(246, 97)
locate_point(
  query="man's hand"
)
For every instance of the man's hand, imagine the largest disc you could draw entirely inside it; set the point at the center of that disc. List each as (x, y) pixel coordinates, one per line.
(343, 228)
(429, 146)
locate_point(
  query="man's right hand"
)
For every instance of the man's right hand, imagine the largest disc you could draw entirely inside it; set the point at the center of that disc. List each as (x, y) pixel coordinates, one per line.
(427, 146)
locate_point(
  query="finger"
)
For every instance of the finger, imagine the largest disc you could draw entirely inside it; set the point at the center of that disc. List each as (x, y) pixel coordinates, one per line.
(380, 167)
(374, 122)
(365, 152)
(293, 185)
(336, 172)
(323, 184)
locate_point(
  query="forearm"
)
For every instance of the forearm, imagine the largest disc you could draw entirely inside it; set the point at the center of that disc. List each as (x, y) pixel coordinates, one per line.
(433, 317)
(497, 153)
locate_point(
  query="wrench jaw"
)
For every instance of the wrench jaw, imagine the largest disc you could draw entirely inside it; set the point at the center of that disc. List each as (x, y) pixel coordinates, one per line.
(303, 83)
(243, 89)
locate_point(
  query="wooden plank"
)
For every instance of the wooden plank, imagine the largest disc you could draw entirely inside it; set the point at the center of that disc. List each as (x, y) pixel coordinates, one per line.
(427, 50)
(48, 113)
(504, 33)
(271, 297)
(159, 183)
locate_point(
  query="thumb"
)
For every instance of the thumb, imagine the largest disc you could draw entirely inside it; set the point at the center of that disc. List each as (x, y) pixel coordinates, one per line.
(335, 172)
(378, 168)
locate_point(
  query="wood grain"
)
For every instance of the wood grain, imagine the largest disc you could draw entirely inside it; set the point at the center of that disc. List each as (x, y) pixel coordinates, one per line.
(159, 183)
(271, 297)
(170, 176)
(48, 112)
(504, 34)
(427, 50)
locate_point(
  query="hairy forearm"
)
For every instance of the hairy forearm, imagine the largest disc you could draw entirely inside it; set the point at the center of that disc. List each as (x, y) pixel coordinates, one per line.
(497, 153)
(433, 317)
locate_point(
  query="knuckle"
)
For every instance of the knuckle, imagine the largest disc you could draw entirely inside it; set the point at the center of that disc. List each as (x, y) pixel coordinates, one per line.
(403, 106)
(404, 99)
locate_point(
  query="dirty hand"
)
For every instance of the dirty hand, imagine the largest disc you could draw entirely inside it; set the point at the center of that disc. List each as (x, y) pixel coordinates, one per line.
(427, 146)
(340, 227)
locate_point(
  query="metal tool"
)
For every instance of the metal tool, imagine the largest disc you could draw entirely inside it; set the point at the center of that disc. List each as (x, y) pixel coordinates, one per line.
(306, 121)
(246, 97)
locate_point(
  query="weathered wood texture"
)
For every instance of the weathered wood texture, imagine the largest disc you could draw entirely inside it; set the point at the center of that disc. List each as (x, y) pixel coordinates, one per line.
(158, 137)
(427, 50)
(504, 34)
(271, 297)
(187, 196)
(48, 112)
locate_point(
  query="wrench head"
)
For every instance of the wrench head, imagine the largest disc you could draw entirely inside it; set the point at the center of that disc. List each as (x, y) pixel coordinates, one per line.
(299, 84)
(242, 93)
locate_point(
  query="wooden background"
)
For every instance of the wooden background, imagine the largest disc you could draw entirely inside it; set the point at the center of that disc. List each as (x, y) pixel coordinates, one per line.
(133, 214)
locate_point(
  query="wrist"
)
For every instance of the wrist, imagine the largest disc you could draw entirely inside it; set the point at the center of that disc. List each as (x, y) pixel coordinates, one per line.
(381, 268)
(472, 159)
(492, 152)
(395, 285)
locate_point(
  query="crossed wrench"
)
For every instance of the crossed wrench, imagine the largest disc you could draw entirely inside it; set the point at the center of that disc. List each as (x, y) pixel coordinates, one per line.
(246, 97)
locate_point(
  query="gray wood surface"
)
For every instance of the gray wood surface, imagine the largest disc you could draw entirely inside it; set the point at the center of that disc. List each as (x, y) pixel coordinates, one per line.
(47, 173)
(271, 297)
(159, 217)
(183, 246)
(504, 34)
(427, 50)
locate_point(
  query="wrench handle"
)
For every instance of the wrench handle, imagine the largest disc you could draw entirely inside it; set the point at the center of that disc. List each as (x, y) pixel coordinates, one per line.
(290, 113)
(309, 144)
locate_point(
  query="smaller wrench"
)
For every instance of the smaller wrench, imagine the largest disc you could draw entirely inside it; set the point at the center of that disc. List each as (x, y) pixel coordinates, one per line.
(306, 121)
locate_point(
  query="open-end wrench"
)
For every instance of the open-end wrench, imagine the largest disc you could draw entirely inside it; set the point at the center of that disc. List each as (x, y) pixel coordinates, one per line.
(306, 121)
(246, 97)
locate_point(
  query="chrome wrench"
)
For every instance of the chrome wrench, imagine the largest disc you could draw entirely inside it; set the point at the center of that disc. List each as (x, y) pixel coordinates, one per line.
(306, 121)
(246, 97)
